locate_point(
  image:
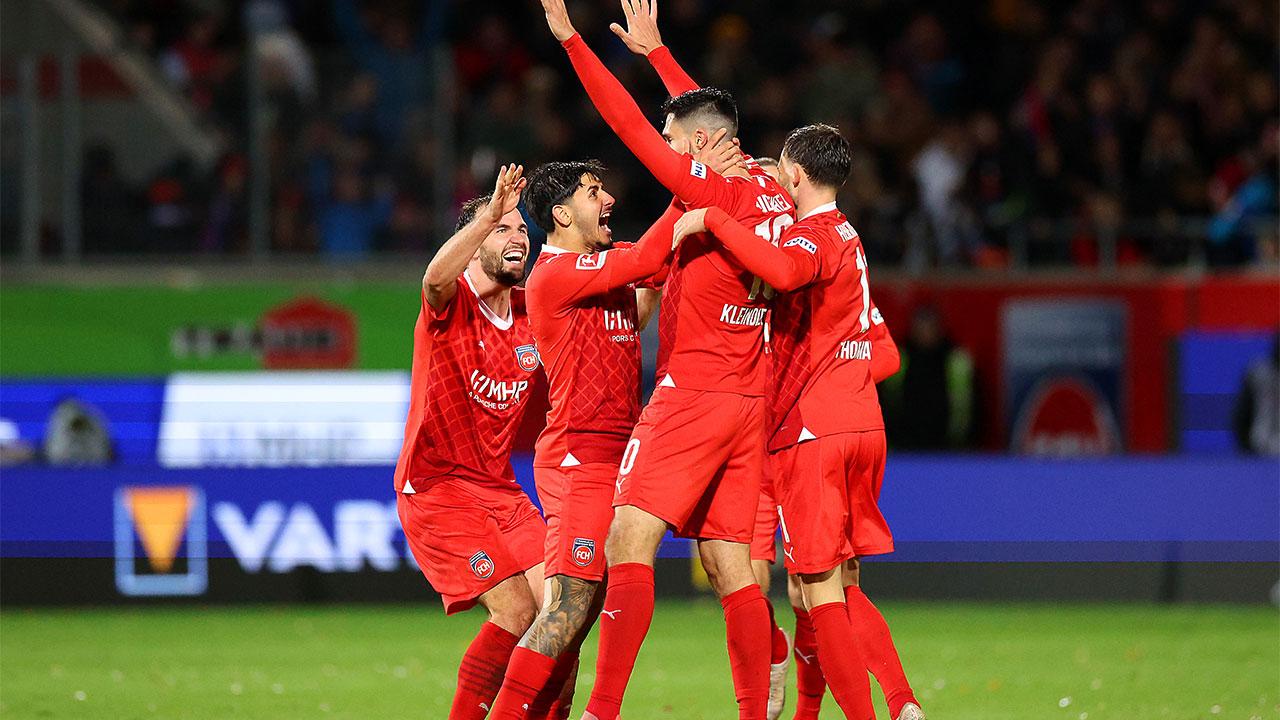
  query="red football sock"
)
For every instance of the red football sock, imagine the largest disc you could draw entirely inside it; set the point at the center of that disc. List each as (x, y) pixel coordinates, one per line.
(481, 671)
(556, 698)
(746, 621)
(810, 684)
(624, 621)
(778, 652)
(527, 674)
(877, 648)
(845, 671)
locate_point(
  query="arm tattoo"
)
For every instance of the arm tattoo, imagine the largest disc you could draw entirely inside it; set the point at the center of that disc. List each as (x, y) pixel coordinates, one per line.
(566, 613)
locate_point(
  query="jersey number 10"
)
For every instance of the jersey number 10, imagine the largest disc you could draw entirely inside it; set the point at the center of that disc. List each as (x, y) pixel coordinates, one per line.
(771, 230)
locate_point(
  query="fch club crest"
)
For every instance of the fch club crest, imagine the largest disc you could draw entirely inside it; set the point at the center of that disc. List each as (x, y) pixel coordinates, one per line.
(482, 564)
(583, 552)
(527, 357)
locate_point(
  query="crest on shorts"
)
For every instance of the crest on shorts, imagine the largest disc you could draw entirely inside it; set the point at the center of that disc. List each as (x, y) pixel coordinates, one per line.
(482, 564)
(527, 357)
(584, 551)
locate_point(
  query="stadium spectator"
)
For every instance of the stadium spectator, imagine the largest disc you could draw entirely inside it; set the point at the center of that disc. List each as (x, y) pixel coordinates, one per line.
(1257, 414)
(931, 399)
(1048, 133)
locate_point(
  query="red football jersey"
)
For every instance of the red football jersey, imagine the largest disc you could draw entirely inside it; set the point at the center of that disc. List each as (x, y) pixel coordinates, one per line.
(472, 375)
(711, 326)
(585, 325)
(820, 380)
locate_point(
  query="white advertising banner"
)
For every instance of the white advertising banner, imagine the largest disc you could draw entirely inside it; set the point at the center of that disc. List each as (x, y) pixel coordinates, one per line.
(283, 419)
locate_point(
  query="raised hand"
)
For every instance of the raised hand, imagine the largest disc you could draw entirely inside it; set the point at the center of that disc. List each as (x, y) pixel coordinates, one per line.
(558, 19)
(721, 155)
(507, 189)
(690, 223)
(641, 36)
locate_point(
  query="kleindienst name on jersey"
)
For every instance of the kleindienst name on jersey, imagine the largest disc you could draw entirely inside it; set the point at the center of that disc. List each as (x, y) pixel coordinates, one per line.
(738, 315)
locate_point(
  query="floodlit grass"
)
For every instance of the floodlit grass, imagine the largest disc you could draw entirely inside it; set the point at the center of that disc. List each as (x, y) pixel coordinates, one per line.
(966, 661)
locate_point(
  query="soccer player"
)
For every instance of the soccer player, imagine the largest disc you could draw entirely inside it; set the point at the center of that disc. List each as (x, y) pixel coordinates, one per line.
(693, 461)
(473, 531)
(582, 304)
(810, 683)
(826, 432)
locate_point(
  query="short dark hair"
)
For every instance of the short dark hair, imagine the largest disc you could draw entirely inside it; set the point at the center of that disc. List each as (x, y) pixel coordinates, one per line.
(469, 210)
(553, 183)
(823, 153)
(708, 102)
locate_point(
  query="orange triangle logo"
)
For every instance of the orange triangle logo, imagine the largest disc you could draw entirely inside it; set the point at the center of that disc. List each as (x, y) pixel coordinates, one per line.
(160, 515)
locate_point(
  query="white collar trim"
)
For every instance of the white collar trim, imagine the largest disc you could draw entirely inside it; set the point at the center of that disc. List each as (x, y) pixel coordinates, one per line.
(498, 322)
(828, 207)
(548, 247)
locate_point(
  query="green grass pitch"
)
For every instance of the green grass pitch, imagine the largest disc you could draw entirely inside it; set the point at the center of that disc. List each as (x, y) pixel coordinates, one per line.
(967, 662)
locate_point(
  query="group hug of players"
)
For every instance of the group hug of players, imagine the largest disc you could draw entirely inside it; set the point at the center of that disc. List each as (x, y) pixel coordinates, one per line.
(764, 418)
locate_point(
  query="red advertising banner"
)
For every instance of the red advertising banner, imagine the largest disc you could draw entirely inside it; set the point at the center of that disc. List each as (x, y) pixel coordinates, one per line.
(1159, 309)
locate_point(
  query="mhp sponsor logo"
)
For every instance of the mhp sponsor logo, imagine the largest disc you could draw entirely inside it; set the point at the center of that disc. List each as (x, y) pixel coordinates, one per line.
(161, 522)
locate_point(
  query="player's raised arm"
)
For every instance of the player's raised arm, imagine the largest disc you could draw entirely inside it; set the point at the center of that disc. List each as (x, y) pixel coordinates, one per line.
(439, 283)
(785, 268)
(693, 183)
(642, 38)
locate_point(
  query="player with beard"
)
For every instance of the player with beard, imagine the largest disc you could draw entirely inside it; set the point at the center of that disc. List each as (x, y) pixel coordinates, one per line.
(582, 300)
(826, 432)
(473, 531)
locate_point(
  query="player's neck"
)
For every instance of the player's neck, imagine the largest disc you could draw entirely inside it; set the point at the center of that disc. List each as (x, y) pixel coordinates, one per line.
(809, 198)
(568, 241)
(492, 293)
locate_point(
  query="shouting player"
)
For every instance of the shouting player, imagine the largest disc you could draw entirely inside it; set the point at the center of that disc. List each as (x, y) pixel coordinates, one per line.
(583, 309)
(693, 462)
(826, 441)
(473, 531)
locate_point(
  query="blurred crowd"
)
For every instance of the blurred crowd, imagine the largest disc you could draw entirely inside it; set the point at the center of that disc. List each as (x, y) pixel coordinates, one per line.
(1007, 131)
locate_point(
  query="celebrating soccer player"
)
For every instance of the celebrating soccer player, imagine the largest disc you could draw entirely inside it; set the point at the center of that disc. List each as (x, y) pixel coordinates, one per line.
(473, 531)
(583, 309)
(693, 461)
(826, 432)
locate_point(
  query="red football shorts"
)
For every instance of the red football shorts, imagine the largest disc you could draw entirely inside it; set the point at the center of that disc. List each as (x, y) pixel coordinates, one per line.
(468, 538)
(694, 460)
(764, 542)
(578, 504)
(829, 491)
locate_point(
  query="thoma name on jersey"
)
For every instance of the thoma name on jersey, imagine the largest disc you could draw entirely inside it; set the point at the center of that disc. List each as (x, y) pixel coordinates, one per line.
(737, 315)
(854, 350)
(496, 394)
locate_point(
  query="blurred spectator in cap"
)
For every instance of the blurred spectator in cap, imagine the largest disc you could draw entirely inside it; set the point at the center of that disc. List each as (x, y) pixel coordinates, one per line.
(77, 435)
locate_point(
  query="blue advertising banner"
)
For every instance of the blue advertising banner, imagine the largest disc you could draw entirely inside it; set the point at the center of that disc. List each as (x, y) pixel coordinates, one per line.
(129, 409)
(163, 527)
(1211, 370)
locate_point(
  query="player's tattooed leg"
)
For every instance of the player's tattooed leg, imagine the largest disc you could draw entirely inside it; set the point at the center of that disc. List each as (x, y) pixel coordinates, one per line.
(565, 613)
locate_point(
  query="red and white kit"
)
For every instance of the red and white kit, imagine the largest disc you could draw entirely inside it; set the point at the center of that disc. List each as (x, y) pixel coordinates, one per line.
(582, 308)
(694, 459)
(469, 525)
(826, 431)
